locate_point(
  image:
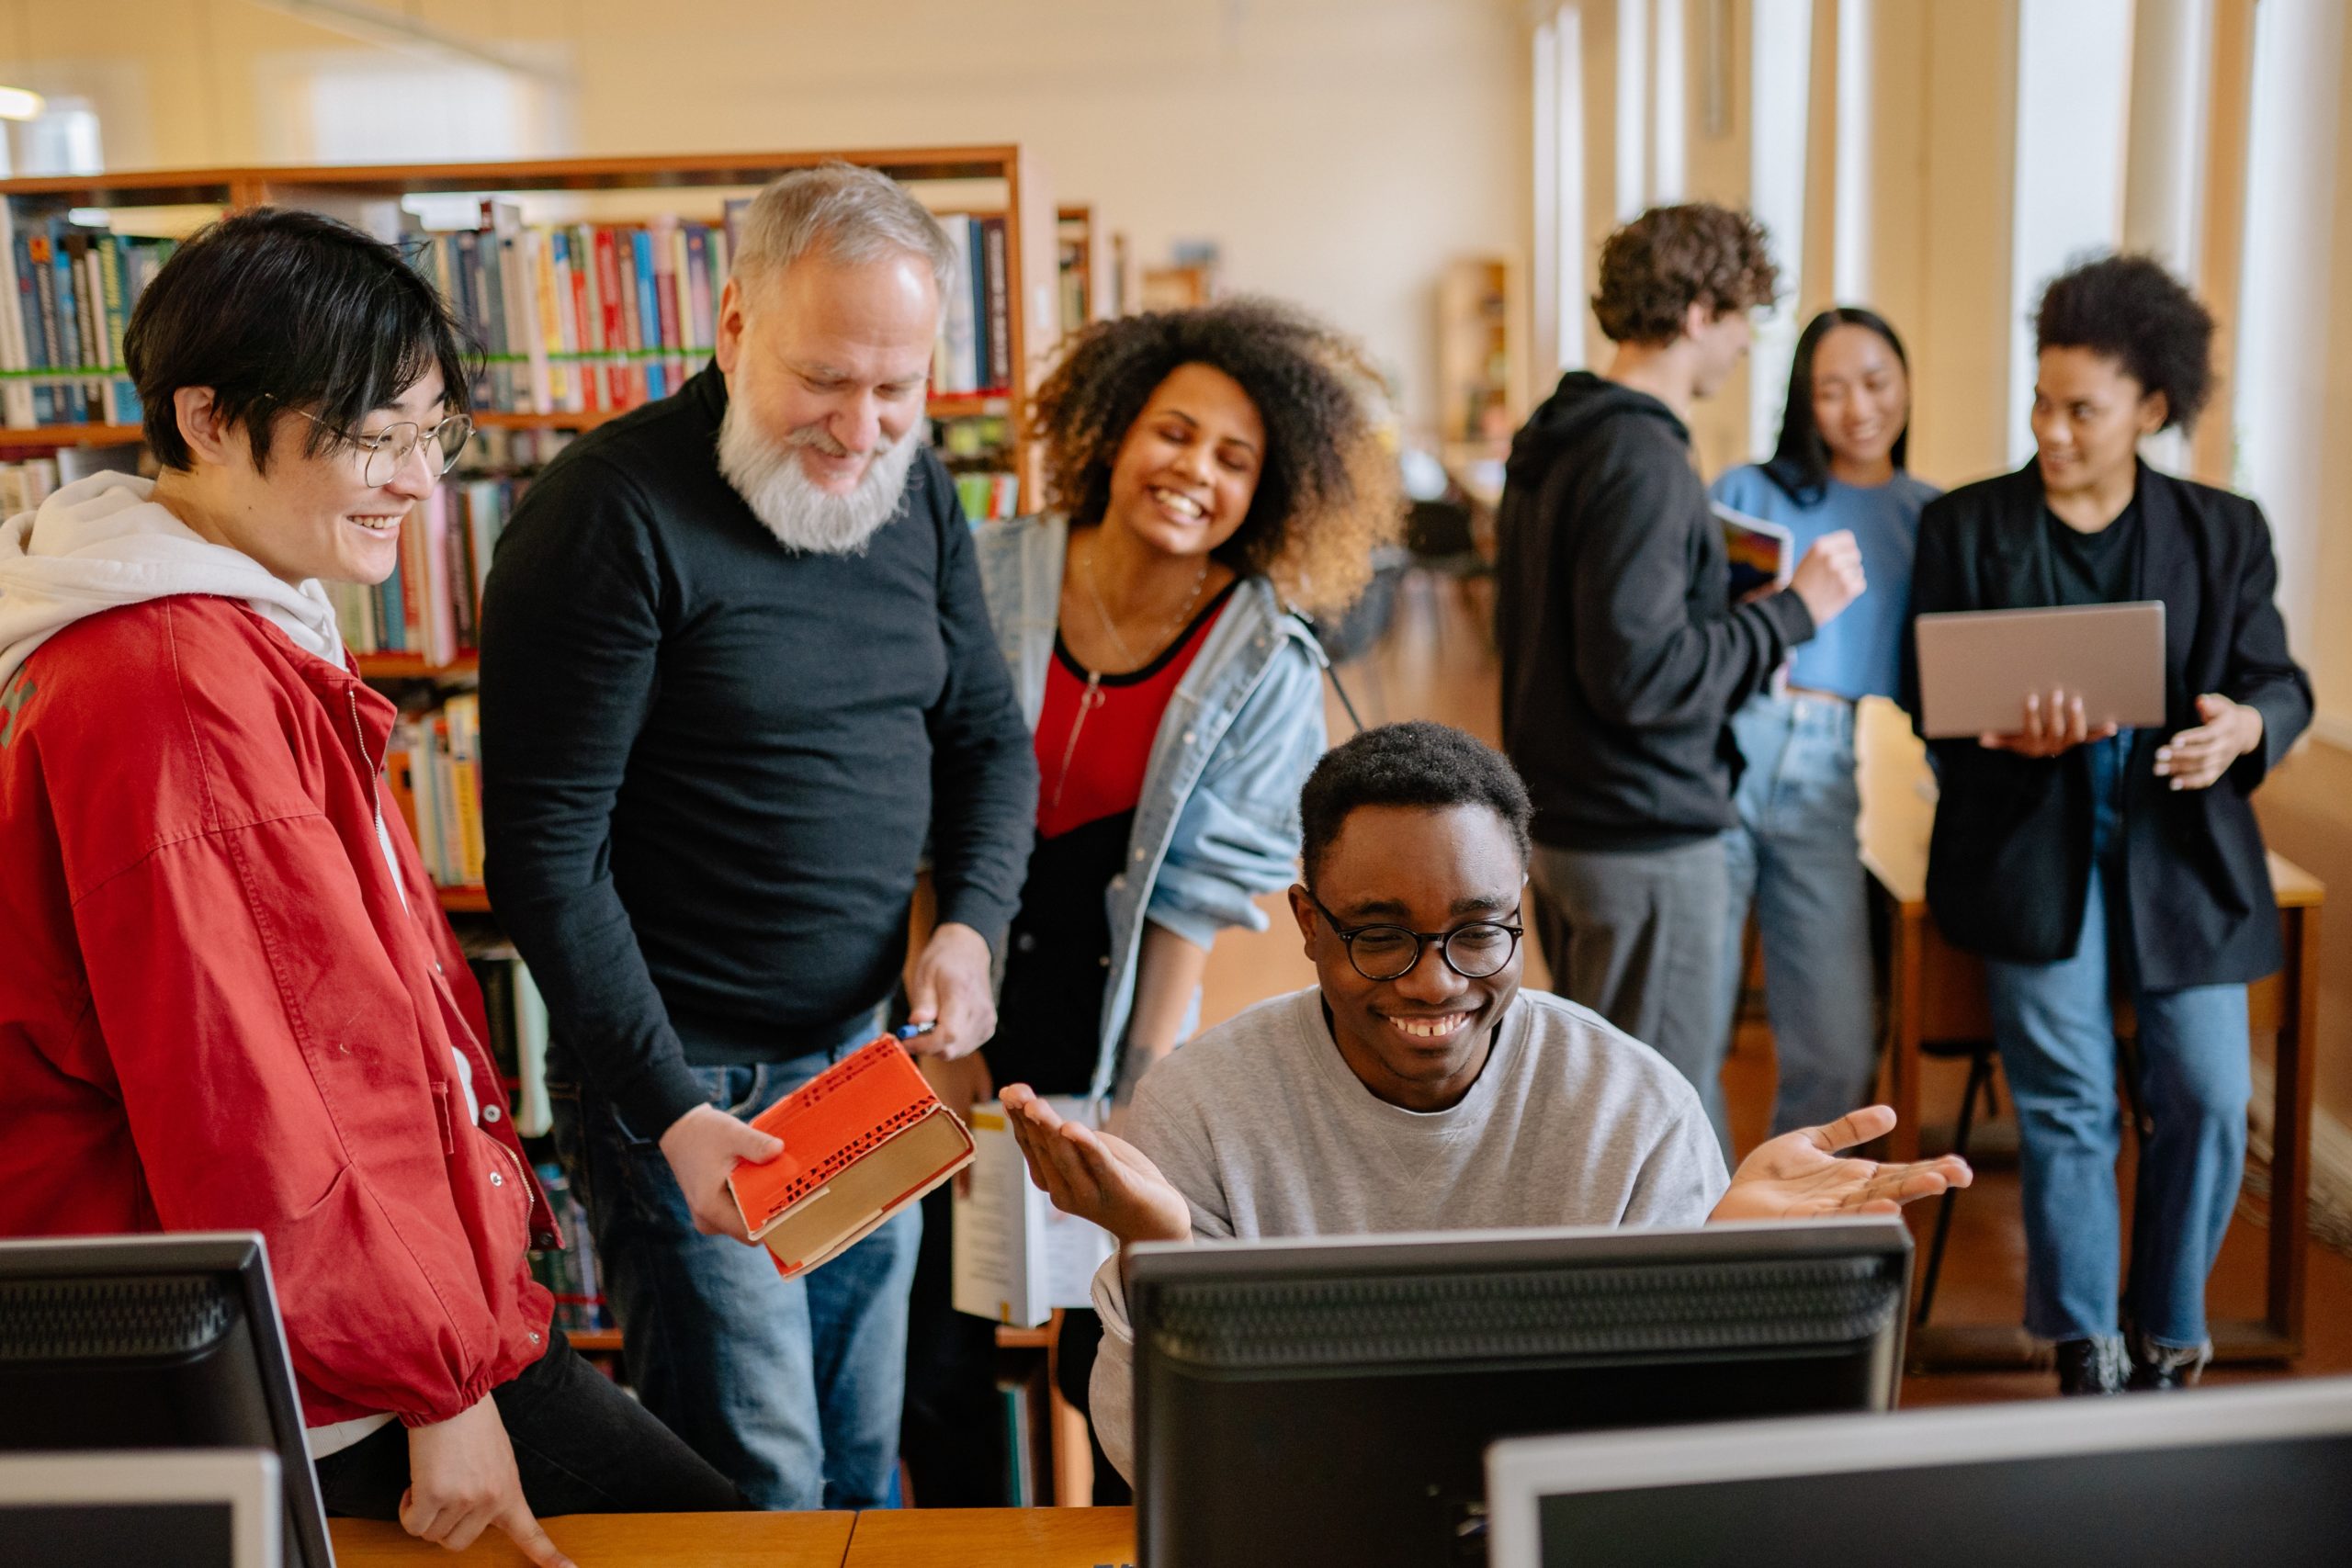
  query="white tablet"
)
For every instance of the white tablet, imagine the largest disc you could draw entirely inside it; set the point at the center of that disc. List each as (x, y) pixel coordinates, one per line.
(1977, 666)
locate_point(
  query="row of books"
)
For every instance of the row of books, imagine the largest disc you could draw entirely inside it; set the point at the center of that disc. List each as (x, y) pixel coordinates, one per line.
(24, 485)
(433, 766)
(66, 292)
(570, 1275)
(987, 496)
(974, 353)
(580, 317)
(587, 317)
(430, 606)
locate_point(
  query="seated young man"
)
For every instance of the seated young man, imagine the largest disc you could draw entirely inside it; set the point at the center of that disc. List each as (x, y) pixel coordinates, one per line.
(1417, 1087)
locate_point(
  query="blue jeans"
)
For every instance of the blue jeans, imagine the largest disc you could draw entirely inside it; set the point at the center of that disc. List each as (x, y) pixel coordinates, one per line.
(1794, 854)
(791, 1388)
(2055, 1025)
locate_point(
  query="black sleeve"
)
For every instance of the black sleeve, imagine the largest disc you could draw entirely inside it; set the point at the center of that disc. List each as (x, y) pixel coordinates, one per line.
(983, 763)
(1640, 658)
(2263, 674)
(572, 628)
(1940, 583)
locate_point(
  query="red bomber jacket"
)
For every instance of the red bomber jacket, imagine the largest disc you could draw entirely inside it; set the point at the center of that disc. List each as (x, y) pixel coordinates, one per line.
(217, 1014)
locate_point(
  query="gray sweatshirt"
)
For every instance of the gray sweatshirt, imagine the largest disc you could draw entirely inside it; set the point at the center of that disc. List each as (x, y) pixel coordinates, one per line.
(1267, 1132)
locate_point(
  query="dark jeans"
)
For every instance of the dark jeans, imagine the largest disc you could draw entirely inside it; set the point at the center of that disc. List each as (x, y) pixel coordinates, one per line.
(580, 1445)
(791, 1387)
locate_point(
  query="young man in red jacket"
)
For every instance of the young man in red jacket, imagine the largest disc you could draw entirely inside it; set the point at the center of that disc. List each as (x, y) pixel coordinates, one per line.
(232, 1002)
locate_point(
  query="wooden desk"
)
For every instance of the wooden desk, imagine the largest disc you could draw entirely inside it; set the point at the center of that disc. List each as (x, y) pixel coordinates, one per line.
(620, 1540)
(993, 1538)
(1937, 993)
(963, 1537)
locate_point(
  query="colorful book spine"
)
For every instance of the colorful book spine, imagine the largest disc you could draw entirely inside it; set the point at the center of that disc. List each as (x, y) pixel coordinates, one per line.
(614, 325)
(999, 304)
(645, 329)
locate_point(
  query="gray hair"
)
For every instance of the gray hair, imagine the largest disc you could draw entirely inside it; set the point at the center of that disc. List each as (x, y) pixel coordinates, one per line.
(846, 213)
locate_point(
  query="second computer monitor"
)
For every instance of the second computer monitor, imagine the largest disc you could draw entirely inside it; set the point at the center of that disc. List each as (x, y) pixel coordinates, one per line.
(1331, 1401)
(2255, 1475)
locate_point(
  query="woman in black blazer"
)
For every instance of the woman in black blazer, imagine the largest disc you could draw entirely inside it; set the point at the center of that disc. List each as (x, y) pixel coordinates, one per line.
(2085, 864)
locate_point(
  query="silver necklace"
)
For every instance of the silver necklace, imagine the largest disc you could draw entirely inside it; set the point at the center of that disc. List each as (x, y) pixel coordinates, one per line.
(1091, 698)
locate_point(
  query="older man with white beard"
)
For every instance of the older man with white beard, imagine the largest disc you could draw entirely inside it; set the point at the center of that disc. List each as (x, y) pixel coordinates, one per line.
(736, 671)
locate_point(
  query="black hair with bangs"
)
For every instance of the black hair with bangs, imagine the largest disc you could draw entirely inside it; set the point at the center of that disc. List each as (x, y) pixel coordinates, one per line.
(280, 310)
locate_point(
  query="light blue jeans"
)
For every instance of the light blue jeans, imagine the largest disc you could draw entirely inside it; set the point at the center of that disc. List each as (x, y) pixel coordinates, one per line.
(2055, 1025)
(1795, 856)
(791, 1388)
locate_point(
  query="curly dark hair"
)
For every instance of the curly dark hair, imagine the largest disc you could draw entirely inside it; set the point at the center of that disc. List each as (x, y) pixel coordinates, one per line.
(2130, 310)
(1413, 764)
(1671, 258)
(1327, 490)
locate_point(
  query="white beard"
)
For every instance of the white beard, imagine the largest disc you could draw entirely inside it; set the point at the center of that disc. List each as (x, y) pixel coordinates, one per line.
(767, 474)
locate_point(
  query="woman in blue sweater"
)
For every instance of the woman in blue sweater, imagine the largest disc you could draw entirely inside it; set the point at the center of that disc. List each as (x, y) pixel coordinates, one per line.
(1840, 464)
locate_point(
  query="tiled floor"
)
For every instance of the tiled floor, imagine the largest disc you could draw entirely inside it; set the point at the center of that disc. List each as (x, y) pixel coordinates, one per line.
(1436, 664)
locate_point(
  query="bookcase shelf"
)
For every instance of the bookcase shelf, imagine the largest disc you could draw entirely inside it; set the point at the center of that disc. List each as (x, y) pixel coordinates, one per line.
(411, 666)
(48, 437)
(1032, 243)
(465, 900)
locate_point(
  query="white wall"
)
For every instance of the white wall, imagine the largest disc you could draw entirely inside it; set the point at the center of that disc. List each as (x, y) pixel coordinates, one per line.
(1340, 151)
(2289, 451)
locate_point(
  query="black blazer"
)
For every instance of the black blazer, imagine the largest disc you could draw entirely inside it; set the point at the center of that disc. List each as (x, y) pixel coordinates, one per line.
(2010, 862)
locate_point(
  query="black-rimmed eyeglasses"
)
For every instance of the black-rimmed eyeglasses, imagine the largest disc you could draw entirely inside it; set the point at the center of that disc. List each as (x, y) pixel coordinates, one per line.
(387, 450)
(1390, 953)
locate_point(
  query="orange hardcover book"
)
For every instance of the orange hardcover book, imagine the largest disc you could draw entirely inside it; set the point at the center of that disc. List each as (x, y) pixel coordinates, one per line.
(861, 1140)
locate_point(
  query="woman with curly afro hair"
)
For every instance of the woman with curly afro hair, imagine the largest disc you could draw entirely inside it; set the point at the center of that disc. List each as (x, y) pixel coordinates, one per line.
(1210, 474)
(2085, 861)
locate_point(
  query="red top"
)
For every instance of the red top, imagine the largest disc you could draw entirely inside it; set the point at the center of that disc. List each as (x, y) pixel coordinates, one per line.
(1105, 767)
(220, 1015)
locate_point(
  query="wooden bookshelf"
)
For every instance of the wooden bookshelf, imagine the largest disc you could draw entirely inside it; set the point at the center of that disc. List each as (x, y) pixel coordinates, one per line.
(358, 192)
(1080, 266)
(49, 437)
(411, 666)
(465, 900)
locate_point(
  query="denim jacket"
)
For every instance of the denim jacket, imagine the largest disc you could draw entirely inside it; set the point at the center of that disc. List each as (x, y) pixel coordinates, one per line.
(1217, 824)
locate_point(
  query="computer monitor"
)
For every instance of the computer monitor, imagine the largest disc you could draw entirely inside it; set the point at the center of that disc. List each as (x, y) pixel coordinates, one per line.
(1331, 1401)
(2185, 1479)
(209, 1508)
(154, 1342)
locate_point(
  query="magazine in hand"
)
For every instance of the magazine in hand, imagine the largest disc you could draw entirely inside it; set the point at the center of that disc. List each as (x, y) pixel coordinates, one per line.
(1763, 554)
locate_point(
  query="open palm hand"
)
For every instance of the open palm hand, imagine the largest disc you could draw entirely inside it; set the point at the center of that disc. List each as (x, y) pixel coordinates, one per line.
(1799, 1175)
(1098, 1176)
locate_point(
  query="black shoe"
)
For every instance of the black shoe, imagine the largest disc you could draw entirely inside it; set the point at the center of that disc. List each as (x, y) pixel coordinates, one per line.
(2156, 1366)
(2090, 1366)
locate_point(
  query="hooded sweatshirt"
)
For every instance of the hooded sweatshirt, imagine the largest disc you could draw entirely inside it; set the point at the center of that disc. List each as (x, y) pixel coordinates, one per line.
(1623, 658)
(103, 541)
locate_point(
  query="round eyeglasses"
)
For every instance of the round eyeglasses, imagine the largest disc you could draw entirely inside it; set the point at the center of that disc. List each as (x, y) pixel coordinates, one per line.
(385, 452)
(1391, 952)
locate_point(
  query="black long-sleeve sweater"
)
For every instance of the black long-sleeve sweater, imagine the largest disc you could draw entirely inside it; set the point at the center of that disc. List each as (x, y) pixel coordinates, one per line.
(710, 763)
(1623, 658)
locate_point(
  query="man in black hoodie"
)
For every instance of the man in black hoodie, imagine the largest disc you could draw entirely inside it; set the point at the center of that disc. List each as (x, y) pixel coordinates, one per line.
(1623, 656)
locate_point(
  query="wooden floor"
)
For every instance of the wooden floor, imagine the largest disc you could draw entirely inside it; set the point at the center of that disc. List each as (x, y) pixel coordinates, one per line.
(1437, 664)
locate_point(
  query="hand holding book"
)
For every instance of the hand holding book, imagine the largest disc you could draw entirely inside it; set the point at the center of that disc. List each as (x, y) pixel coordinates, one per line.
(703, 1146)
